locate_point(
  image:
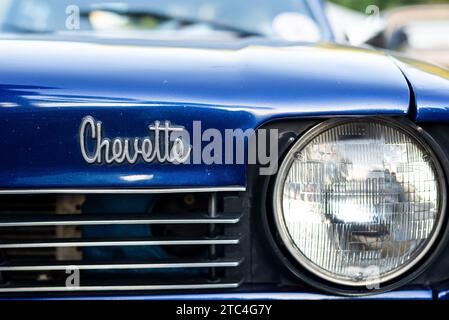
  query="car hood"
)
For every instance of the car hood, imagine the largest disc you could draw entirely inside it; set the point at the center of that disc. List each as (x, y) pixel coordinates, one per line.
(48, 87)
(318, 79)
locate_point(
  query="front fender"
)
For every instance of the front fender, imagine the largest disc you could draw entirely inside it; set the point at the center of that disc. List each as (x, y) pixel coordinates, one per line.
(430, 86)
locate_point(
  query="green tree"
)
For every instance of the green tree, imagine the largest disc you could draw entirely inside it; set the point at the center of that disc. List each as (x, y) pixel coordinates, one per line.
(361, 5)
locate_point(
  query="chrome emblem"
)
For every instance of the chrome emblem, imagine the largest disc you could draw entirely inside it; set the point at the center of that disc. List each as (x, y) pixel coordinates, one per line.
(165, 143)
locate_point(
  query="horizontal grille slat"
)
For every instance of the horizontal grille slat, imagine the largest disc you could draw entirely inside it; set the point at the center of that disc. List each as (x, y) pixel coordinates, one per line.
(114, 243)
(29, 266)
(140, 287)
(79, 220)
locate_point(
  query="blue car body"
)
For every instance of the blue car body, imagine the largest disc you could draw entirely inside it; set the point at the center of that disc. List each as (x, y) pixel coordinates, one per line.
(48, 93)
(47, 87)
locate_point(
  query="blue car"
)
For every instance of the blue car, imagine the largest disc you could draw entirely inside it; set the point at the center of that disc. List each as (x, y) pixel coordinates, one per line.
(215, 149)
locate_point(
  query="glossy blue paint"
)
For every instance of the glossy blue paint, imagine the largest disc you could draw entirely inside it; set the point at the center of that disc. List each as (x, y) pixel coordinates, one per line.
(47, 87)
(430, 85)
(396, 295)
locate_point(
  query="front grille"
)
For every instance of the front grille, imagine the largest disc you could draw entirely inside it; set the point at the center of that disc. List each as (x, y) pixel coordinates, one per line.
(83, 243)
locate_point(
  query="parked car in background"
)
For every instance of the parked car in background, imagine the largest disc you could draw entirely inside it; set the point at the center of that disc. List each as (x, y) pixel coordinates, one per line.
(135, 19)
(421, 32)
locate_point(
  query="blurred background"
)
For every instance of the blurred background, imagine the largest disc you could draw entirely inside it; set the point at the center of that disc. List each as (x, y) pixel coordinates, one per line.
(416, 28)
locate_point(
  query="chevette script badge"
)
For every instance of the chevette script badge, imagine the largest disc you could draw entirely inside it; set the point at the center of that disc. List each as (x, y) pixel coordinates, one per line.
(164, 143)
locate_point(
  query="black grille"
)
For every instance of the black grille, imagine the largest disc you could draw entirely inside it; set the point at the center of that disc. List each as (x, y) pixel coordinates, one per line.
(46, 239)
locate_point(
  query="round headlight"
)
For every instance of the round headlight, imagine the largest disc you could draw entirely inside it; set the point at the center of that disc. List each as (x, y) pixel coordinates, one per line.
(358, 202)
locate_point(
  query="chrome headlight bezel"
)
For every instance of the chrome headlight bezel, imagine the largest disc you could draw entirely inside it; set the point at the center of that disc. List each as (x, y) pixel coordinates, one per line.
(412, 268)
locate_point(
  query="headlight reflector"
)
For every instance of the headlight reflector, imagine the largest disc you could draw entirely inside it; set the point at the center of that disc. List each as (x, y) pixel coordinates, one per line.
(358, 202)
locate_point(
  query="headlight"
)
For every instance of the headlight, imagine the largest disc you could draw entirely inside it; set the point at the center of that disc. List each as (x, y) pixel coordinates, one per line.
(358, 202)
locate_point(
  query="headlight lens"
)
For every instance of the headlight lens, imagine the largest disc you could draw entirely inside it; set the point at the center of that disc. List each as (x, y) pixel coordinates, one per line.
(358, 202)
